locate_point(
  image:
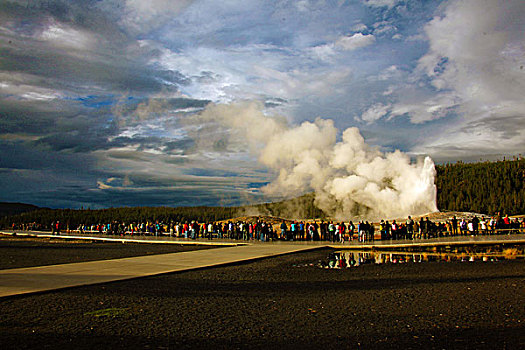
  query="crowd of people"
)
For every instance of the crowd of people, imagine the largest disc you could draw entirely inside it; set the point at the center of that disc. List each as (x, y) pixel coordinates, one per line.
(362, 231)
(424, 228)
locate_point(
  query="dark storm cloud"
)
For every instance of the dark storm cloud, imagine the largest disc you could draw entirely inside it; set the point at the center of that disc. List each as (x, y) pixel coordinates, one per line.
(179, 145)
(78, 130)
(24, 118)
(84, 48)
(73, 187)
(58, 125)
(31, 173)
(65, 179)
(74, 141)
(115, 75)
(181, 196)
(85, 124)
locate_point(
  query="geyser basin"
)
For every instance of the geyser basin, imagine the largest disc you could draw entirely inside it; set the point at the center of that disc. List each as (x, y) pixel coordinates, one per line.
(343, 259)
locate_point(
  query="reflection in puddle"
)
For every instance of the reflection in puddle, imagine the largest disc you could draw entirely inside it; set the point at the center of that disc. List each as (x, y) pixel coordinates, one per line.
(352, 258)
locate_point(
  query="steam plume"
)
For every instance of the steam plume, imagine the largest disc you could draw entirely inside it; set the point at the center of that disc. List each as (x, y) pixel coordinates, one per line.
(349, 177)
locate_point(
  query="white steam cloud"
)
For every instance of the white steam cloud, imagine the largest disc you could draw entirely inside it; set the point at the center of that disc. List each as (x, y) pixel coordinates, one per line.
(349, 177)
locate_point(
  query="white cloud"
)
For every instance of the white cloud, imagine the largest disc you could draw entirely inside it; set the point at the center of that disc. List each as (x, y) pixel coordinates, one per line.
(28, 92)
(252, 72)
(375, 112)
(359, 27)
(392, 72)
(429, 109)
(389, 91)
(475, 50)
(328, 51)
(355, 41)
(475, 60)
(142, 16)
(323, 52)
(302, 5)
(381, 3)
(384, 28)
(61, 35)
(56, 34)
(416, 37)
(298, 83)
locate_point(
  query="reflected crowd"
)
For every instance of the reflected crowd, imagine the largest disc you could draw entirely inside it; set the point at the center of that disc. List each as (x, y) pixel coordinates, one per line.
(351, 258)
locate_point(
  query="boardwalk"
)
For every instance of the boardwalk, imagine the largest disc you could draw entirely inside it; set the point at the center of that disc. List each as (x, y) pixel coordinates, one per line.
(53, 277)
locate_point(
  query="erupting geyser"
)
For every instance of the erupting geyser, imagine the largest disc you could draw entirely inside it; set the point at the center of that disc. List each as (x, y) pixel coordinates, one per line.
(349, 177)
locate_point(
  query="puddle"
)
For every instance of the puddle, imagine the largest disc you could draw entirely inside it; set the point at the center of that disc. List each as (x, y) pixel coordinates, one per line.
(352, 258)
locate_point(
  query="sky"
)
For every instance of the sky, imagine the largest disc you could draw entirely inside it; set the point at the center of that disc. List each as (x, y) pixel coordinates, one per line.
(102, 101)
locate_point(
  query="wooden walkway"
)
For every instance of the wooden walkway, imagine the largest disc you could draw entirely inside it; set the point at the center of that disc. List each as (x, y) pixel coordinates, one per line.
(53, 277)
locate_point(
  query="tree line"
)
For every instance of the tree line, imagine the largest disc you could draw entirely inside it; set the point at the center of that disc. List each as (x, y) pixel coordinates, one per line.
(302, 207)
(485, 187)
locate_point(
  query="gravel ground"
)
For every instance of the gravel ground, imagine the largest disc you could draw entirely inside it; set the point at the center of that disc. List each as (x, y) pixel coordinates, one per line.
(18, 252)
(272, 303)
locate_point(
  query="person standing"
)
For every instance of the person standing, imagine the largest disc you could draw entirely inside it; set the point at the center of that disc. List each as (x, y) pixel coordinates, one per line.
(351, 229)
(331, 231)
(311, 232)
(463, 227)
(394, 229)
(361, 231)
(410, 227)
(323, 229)
(422, 228)
(470, 227)
(454, 225)
(342, 232)
(283, 230)
(382, 229)
(371, 231)
(483, 225)
(475, 224)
